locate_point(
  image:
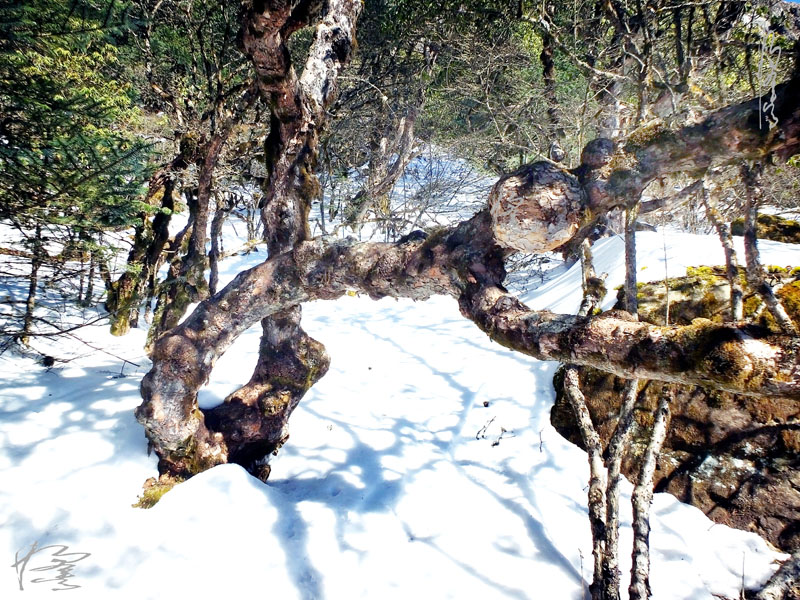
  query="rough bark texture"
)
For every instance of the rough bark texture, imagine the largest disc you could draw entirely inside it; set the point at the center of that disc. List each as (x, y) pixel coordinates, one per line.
(617, 445)
(614, 454)
(150, 238)
(33, 283)
(463, 261)
(252, 422)
(537, 208)
(597, 477)
(541, 207)
(594, 288)
(224, 206)
(670, 202)
(734, 458)
(556, 132)
(724, 138)
(298, 104)
(593, 292)
(382, 175)
(631, 302)
(190, 284)
(254, 418)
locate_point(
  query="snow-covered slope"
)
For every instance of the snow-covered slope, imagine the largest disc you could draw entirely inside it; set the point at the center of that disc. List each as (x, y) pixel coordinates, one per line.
(422, 466)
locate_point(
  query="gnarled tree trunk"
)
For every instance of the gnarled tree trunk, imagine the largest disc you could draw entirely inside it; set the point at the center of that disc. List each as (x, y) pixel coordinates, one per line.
(253, 421)
(463, 261)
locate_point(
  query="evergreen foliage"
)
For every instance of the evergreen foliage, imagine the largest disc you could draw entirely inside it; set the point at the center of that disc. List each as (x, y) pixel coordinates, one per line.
(66, 150)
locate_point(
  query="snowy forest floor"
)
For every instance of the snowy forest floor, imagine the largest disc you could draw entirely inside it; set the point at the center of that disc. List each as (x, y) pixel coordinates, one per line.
(423, 465)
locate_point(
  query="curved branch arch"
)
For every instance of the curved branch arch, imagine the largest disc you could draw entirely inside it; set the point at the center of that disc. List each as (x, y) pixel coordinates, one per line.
(465, 262)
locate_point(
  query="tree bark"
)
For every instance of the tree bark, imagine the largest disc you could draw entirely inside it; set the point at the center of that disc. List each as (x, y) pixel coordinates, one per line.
(725, 137)
(593, 292)
(33, 282)
(253, 421)
(175, 248)
(463, 262)
(639, 588)
(382, 175)
(731, 265)
(224, 207)
(124, 295)
(614, 454)
(670, 202)
(190, 285)
(631, 291)
(556, 133)
(594, 288)
(597, 477)
(87, 300)
(619, 439)
(754, 270)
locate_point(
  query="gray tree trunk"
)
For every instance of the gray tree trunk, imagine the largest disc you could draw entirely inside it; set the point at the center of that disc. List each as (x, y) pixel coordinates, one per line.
(731, 264)
(639, 588)
(755, 272)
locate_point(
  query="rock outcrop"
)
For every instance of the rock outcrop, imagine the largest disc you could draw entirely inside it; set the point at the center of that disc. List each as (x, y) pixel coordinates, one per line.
(735, 458)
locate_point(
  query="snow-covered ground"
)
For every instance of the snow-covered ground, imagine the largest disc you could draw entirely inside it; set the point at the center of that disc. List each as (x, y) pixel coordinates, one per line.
(423, 465)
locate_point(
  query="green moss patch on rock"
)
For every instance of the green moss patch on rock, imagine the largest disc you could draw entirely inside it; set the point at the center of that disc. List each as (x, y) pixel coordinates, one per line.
(704, 293)
(771, 227)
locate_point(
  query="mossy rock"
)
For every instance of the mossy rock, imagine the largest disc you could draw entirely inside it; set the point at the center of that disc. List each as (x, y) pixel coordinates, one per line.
(736, 458)
(771, 227)
(705, 293)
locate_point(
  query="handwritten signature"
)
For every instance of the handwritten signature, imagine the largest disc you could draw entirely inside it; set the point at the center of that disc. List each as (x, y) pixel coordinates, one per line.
(61, 561)
(768, 59)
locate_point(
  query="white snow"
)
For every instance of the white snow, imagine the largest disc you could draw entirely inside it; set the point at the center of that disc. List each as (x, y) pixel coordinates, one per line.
(397, 481)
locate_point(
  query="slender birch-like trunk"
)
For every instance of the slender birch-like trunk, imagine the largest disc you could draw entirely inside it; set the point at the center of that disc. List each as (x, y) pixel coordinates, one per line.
(731, 264)
(639, 588)
(751, 175)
